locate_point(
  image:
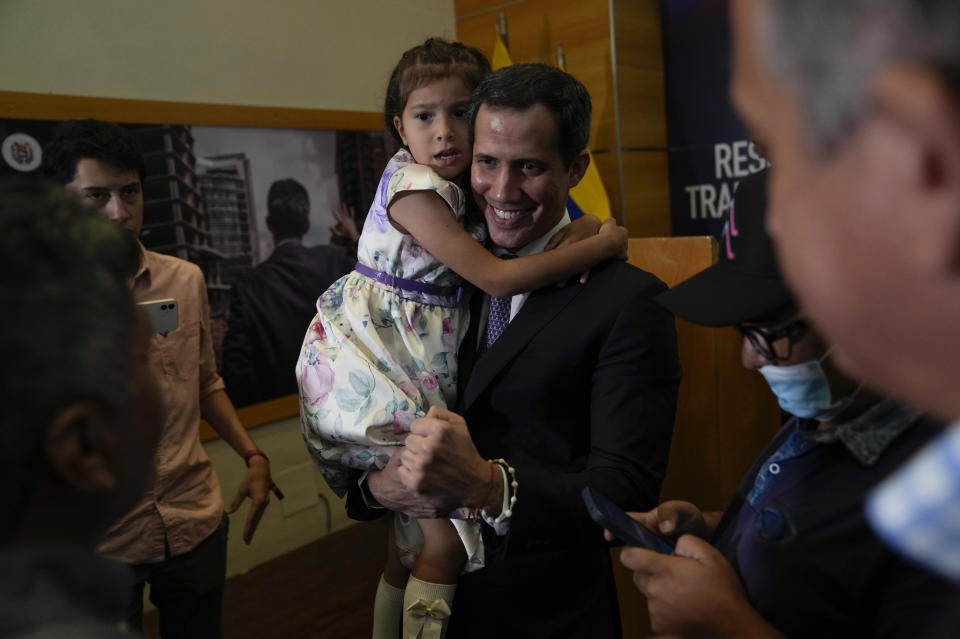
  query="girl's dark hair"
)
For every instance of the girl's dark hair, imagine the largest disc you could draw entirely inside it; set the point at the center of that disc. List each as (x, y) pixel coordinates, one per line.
(435, 59)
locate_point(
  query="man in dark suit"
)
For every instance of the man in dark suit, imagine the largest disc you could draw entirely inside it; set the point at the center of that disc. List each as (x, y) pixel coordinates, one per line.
(578, 390)
(271, 307)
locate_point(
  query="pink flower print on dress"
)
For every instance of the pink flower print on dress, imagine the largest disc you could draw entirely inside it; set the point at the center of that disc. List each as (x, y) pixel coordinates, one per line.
(408, 388)
(402, 420)
(318, 329)
(316, 382)
(447, 337)
(428, 381)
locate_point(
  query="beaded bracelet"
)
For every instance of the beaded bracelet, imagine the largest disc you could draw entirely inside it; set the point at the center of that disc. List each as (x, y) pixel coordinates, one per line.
(508, 504)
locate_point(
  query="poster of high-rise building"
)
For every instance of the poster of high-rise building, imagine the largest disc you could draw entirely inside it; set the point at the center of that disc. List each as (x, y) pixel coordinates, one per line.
(205, 200)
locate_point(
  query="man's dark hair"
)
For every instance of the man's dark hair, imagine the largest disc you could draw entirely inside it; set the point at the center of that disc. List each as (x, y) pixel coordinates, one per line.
(288, 209)
(521, 86)
(76, 140)
(66, 328)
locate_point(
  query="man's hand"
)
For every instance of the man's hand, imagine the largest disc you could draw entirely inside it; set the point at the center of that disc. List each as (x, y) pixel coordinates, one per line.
(256, 485)
(440, 463)
(694, 592)
(218, 410)
(391, 493)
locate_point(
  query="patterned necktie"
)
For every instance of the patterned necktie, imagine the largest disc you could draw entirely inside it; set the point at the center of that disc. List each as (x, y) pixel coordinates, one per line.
(498, 318)
(499, 315)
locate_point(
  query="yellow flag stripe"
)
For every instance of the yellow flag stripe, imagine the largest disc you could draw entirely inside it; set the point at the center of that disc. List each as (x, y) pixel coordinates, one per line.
(590, 195)
(501, 57)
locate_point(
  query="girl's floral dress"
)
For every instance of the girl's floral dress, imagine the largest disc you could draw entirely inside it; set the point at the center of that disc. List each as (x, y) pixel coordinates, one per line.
(377, 356)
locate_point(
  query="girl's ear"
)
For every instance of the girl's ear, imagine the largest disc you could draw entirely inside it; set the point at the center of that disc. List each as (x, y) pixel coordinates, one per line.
(398, 125)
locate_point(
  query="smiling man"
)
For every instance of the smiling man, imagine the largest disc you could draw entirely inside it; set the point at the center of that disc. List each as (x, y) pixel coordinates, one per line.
(561, 388)
(520, 176)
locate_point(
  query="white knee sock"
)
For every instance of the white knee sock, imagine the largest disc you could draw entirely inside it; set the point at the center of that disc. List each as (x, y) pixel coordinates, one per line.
(426, 609)
(387, 609)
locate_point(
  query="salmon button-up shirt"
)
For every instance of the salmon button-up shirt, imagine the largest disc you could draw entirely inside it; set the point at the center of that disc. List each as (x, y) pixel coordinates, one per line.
(184, 505)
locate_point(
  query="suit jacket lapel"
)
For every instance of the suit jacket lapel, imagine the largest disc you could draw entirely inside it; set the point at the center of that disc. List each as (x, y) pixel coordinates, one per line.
(539, 309)
(467, 356)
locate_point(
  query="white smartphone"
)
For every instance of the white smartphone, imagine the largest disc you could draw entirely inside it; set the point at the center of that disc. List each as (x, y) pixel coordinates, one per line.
(163, 314)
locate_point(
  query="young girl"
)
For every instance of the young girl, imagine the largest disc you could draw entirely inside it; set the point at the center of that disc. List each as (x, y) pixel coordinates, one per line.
(382, 348)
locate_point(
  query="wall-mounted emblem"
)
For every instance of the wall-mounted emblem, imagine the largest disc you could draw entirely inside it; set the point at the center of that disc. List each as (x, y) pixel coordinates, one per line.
(22, 152)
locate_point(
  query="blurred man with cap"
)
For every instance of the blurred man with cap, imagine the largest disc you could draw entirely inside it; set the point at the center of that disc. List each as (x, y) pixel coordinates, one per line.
(792, 554)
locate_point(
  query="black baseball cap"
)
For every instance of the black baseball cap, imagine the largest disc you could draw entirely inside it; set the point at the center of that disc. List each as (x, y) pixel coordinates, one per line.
(745, 284)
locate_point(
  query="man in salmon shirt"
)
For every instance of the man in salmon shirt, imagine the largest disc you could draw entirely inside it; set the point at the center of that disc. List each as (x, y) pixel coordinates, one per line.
(175, 539)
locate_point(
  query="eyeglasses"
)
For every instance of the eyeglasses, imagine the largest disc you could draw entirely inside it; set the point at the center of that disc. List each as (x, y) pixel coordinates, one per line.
(765, 338)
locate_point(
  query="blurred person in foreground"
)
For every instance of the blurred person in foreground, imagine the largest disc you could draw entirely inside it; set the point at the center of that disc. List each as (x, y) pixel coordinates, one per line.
(857, 104)
(81, 413)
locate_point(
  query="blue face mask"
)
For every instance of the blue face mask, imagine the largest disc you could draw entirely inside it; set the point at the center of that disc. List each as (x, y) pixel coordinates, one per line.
(803, 390)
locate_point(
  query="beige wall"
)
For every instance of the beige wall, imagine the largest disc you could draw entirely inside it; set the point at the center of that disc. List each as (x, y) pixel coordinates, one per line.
(308, 511)
(322, 54)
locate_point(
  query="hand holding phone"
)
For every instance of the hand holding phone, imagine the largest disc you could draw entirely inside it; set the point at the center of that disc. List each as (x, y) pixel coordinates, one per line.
(623, 526)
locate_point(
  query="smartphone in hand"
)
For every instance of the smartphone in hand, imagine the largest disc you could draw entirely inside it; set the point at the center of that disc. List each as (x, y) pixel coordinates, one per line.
(624, 527)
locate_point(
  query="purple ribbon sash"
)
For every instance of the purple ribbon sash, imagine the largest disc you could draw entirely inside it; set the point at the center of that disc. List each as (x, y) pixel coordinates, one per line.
(412, 286)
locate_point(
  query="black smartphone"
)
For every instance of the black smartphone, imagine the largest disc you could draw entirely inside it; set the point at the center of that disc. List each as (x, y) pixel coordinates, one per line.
(625, 528)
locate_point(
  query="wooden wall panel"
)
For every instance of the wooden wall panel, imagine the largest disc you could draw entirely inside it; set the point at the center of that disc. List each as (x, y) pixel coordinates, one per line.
(466, 7)
(608, 168)
(536, 27)
(45, 106)
(638, 33)
(646, 212)
(640, 74)
(646, 190)
(643, 119)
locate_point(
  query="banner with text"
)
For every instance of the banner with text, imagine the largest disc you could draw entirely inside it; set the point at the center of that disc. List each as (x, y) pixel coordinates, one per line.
(709, 150)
